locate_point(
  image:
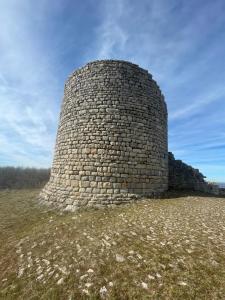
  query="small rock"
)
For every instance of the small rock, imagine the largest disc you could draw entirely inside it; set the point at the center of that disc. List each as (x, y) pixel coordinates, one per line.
(182, 283)
(83, 276)
(103, 291)
(90, 271)
(20, 273)
(60, 281)
(139, 256)
(189, 251)
(133, 233)
(40, 277)
(144, 285)
(214, 263)
(88, 284)
(47, 262)
(119, 258)
(85, 291)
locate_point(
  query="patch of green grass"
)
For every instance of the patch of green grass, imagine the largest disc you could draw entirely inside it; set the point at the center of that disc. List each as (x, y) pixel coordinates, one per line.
(154, 249)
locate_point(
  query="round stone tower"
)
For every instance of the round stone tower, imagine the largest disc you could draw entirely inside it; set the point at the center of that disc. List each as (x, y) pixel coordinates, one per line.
(111, 144)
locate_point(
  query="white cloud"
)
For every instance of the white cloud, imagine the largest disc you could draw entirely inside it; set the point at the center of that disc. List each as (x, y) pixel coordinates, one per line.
(112, 37)
(28, 89)
(200, 103)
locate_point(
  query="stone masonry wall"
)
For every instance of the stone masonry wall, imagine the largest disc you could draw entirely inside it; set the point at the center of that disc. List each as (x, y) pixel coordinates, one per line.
(184, 177)
(222, 191)
(111, 144)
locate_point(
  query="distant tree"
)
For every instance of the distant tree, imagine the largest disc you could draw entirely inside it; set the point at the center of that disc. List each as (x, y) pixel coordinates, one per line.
(17, 177)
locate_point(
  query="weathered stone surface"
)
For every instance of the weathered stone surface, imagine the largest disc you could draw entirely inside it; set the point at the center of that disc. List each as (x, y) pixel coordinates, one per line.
(111, 144)
(184, 177)
(222, 191)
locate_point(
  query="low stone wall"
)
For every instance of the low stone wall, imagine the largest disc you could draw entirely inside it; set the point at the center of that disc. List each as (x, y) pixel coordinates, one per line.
(184, 177)
(222, 191)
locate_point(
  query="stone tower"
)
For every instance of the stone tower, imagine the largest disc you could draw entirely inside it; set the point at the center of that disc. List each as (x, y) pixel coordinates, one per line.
(111, 143)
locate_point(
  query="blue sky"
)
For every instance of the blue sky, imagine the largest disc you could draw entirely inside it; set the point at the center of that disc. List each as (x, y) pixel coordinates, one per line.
(182, 43)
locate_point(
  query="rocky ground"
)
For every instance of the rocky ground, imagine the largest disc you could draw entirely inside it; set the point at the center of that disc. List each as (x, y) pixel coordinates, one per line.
(155, 249)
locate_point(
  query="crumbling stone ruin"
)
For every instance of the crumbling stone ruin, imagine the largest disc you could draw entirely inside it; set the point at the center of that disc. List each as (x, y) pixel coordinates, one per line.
(184, 177)
(222, 191)
(111, 143)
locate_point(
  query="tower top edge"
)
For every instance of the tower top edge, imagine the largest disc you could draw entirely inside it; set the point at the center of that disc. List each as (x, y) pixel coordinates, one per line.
(105, 62)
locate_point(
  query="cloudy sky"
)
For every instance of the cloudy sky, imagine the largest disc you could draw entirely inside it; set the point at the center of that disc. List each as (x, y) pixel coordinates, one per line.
(182, 43)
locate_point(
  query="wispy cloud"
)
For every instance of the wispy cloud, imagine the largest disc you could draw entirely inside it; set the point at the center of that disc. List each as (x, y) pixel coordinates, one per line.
(180, 42)
(199, 102)
(112, 37)
(27, 85)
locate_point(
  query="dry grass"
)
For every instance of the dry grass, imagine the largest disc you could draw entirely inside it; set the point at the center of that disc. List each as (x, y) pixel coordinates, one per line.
(156, 249)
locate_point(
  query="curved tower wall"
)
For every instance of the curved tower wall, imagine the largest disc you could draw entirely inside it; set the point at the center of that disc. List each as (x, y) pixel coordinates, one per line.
(111, 144)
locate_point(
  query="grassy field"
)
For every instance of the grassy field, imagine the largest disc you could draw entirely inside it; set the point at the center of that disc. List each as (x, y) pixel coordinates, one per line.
(156, 249)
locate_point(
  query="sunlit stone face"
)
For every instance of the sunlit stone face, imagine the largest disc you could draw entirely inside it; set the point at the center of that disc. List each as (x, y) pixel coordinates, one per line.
(112, 138)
